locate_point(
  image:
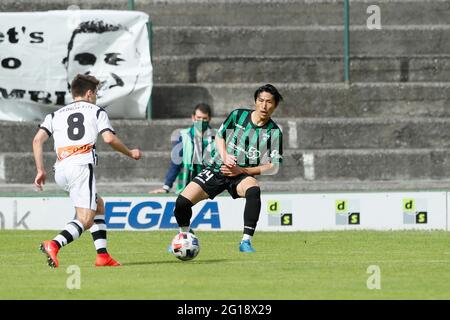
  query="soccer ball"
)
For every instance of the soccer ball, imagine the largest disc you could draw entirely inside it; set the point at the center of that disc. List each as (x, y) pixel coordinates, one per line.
(185, 246)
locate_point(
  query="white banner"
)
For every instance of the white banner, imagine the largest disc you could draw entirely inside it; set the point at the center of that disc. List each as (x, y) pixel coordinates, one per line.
(279, 212)
(41, 52)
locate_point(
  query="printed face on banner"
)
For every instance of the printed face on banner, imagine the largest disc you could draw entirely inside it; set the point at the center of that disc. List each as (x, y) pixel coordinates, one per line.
(38, 61)
(97, 48)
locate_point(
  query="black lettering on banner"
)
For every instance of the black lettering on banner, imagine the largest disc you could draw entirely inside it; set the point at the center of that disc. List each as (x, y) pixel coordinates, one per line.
(40, 96)
(36, 96)
(76, 121)
(11, 63)
(60, 98)
(12, 35)
(37, 37)
(15, 93)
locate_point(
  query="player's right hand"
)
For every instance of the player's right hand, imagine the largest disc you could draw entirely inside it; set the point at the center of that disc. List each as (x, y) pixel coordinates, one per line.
(230, 160)
(136, 154)
(39, 181)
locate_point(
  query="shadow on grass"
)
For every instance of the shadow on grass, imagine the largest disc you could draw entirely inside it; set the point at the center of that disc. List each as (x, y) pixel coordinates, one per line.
(138, 263)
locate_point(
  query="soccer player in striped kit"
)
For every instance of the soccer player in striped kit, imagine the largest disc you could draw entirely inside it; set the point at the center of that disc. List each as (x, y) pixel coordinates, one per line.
(75, 128)
(248, 143)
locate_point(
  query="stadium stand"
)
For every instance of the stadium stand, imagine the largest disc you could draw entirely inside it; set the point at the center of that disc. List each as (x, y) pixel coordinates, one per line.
(387, 130)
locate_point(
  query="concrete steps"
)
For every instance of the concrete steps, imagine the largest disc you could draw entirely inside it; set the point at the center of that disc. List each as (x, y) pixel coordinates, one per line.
(257, 12)
(419, 99)
(325, 165)
(304, 40)
(300, 69)
(20, 168)
(383, 99)
(299, 133)
(391, 164)
(390, 133)
(292, 12)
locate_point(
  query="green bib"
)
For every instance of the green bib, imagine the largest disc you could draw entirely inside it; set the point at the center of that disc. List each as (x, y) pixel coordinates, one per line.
(189, 168)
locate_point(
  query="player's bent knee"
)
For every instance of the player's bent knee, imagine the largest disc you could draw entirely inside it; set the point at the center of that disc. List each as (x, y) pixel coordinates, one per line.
(183, 203)
(253, 193)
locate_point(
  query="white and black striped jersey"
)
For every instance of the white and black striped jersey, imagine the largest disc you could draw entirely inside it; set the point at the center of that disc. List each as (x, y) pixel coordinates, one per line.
(75, 128)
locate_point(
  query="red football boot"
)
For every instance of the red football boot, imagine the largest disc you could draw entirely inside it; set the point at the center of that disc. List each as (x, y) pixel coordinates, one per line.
(50, 248)
(105, 260)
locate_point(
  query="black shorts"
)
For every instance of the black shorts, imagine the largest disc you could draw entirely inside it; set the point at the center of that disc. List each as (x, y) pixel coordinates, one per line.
(213, 183)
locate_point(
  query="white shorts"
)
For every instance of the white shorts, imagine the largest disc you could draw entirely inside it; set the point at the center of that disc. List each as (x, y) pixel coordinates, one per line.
(79, 182)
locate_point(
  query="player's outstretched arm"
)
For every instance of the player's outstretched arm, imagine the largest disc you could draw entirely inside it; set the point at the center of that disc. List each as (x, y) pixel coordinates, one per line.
(118, 145)
(268, 169)
(265, 169)
(38, 141)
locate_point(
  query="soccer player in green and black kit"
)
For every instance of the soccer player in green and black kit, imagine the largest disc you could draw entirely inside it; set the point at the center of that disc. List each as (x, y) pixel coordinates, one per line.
(248, 143)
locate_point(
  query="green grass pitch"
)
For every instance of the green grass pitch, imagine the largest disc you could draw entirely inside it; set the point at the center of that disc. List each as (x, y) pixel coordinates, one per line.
(286, 266)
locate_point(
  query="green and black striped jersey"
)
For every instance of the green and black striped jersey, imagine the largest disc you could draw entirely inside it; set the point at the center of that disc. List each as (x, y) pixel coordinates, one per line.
(251, 145)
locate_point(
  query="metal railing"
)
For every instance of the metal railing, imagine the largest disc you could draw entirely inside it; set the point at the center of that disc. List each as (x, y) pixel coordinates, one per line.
(131, 6)
(347, 41)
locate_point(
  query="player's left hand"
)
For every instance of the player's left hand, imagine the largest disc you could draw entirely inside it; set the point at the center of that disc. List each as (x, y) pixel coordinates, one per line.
(231, 172)
(136, 154)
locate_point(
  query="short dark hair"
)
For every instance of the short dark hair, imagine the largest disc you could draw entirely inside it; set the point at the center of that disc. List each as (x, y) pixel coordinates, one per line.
(93, 26)
(203, 107)
(82, 83)
(270, 89)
